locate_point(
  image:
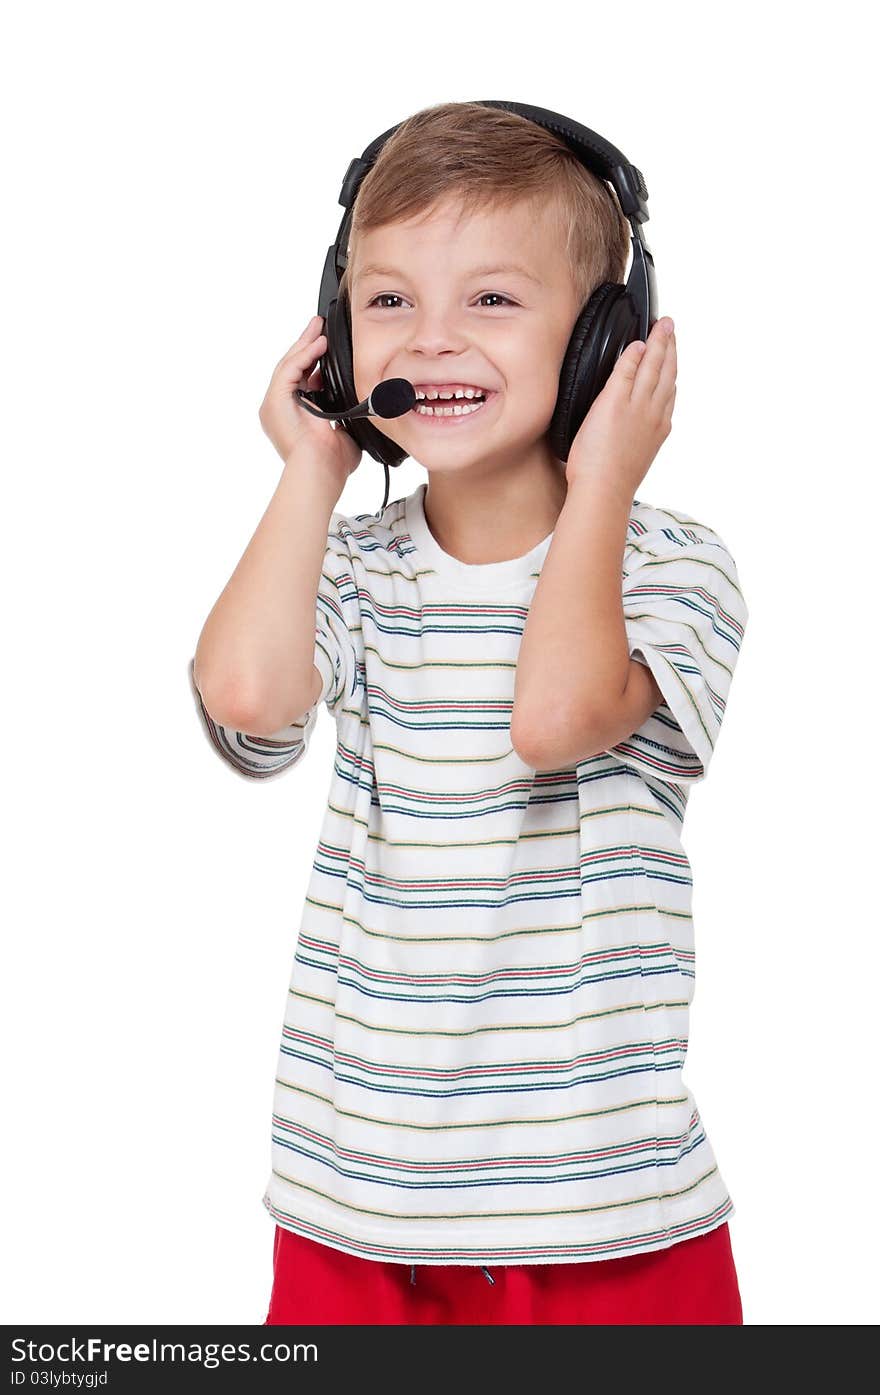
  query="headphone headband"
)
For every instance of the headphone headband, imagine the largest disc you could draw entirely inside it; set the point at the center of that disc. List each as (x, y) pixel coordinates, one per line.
(595, 152)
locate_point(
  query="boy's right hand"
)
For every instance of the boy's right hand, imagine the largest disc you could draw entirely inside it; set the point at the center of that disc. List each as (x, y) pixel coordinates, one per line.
(289, 425)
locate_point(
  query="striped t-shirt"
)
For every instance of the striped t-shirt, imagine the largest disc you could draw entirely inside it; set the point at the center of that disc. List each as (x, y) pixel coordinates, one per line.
(481, 1055)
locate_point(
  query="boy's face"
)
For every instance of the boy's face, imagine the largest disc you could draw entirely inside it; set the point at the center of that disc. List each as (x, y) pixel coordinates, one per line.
(429, 317)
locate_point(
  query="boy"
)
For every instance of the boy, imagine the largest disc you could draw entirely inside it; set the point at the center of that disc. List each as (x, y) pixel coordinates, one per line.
(479, 1110)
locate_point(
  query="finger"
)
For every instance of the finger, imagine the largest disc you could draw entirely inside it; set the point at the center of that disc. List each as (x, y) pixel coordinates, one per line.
(668, 371)
(302, 361)
(627, 365)
(308, 334)
(652, 361)
(314, 323)
(312, 356)
(667, 415)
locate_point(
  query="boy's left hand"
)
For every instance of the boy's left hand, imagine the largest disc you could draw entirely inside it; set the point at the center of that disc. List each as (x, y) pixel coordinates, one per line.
(632, 416)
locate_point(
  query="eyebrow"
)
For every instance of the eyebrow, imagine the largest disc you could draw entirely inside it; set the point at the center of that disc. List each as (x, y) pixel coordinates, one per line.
(489, 270)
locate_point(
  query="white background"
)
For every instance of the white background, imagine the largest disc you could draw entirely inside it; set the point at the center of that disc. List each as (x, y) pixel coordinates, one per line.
(171, 176)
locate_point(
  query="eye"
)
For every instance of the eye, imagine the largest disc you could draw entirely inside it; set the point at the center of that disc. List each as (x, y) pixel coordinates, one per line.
(383, 295)
(497, 296)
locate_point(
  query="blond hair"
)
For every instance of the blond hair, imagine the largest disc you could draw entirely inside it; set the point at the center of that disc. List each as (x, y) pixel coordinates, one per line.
(488, 157)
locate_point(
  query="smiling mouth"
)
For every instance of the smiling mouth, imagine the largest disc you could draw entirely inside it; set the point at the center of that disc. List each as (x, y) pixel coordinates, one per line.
(452, 409)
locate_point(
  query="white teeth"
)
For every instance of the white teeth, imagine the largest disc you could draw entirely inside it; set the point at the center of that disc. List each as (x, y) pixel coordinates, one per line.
(464, 410)
(432, 394)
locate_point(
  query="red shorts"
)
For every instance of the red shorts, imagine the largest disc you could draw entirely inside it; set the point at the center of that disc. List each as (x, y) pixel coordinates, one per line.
(693, 1281)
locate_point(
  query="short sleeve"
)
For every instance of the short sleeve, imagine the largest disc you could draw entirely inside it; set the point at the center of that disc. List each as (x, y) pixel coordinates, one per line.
(685, 618)
(335, 657)
(337, 622)
(255, 757)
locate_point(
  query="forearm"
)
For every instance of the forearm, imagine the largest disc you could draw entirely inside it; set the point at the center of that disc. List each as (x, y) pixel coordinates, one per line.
(254, 660)
(566, 685)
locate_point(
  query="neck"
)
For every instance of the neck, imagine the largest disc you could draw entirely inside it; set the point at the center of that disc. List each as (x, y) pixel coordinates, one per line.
(494, 517)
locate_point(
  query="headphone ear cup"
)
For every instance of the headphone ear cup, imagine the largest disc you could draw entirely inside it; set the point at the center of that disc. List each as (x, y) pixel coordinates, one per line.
(608, 322)
(337, 374)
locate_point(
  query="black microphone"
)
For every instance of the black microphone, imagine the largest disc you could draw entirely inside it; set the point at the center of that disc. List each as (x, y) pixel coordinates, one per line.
(390, 398)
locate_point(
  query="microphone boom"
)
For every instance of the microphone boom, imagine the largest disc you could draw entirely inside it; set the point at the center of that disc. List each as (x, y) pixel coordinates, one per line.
(393, 397)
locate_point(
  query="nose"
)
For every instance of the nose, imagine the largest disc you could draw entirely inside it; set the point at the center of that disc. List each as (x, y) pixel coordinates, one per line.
(432, 333)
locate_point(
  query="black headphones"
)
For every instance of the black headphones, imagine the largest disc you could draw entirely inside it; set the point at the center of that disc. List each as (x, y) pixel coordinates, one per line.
(612, 318)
